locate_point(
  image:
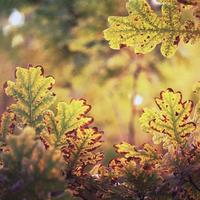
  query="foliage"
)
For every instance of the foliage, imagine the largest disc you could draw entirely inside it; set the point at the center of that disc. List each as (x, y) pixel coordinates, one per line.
(27, 166)
(62, 159)
(143, 29)
(49, 148)
(66, 39)
(170, 172)
(61, 149)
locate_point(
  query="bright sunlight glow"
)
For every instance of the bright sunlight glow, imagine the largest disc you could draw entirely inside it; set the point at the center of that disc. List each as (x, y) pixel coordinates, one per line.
(155, 2)
(138, 100)
(16, 18)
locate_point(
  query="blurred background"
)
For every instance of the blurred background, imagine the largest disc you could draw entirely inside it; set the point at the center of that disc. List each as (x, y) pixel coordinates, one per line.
(66, 38)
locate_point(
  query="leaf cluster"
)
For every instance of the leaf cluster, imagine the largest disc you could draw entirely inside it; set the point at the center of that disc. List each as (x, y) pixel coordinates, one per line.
(59, 155)
(51, 150)
(41, 148)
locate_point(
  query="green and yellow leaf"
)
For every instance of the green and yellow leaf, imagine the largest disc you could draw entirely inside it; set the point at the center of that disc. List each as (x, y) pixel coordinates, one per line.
(70, 116)
(143, 29)
(171, 124)
(68, 132)
(32, 94)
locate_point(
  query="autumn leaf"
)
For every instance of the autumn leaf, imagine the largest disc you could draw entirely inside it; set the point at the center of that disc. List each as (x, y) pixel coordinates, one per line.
(134, 161)
(126, 172)
(143, 29)
(68, 131)
(79, 150)
(121, 166)
(171, 123)
(146, 154)
(32, 94)
(69, 116)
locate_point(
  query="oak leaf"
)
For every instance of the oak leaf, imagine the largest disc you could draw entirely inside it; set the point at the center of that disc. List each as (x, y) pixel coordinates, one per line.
(143, 29)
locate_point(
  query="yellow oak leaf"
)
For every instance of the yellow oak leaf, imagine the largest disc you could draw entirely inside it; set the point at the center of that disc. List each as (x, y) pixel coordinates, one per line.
(69, 116)
(171, 123)
(143, 29)
(32, 94)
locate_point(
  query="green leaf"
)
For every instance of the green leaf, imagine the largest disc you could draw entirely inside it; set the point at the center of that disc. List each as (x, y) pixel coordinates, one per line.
(70, 116)
(170, 125)
(32, 94)
(143, 29)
